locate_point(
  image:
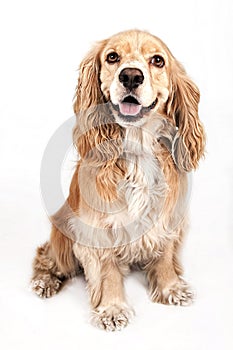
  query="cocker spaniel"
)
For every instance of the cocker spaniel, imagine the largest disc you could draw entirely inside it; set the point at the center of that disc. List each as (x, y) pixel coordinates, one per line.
(138, 135)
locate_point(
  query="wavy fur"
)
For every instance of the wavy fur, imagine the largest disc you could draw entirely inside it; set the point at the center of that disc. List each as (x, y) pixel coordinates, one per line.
(127, 200)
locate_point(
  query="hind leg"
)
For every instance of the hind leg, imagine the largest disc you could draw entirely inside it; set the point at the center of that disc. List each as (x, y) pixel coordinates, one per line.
(53, 265)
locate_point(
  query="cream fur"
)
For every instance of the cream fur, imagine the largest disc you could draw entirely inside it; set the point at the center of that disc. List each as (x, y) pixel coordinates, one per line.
(128, 197)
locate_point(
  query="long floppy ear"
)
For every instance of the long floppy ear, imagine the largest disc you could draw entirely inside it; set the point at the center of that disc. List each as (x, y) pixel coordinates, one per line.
(182, 107)
(97, 137)
(88, 91)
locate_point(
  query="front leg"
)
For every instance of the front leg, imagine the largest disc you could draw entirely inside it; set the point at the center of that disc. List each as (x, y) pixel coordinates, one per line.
(105, 285)
(165, 284)
(111, 312)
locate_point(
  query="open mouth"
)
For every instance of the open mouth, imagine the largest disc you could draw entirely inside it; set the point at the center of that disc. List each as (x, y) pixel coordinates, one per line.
(130, 108)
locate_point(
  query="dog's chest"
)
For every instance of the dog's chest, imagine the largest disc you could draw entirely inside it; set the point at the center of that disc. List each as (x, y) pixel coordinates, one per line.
(141, 197)
(135, 210)
(144, 182)
(144, 191)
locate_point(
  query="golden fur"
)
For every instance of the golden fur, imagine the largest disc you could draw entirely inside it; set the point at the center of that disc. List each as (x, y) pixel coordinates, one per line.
(126, 204)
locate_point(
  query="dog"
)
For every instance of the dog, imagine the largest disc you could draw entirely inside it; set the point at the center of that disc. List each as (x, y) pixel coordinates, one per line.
(138, 135)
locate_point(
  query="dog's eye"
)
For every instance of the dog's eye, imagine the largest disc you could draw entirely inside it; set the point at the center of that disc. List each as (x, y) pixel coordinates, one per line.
(113, 57)
(157, 61)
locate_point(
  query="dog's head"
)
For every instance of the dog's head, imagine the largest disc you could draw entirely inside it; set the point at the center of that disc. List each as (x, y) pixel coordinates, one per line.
(134, 76)
(138, 76)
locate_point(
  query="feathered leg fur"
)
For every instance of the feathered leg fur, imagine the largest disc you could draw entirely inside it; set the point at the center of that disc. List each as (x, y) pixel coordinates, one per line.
(104, 278)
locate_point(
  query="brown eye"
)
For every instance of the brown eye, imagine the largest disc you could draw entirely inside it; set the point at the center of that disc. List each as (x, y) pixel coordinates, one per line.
(157, 61)
(113, 57)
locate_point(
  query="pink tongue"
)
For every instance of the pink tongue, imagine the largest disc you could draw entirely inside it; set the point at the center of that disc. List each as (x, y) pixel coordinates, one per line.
(129, 108)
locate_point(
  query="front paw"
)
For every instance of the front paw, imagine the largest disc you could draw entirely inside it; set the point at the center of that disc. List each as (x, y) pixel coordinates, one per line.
(112, 317)
(177, 293)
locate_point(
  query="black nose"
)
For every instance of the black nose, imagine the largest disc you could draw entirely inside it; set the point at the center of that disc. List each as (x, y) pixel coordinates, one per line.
(131, 78)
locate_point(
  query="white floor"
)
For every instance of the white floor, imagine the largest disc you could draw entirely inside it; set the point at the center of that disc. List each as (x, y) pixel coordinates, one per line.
(43, 43)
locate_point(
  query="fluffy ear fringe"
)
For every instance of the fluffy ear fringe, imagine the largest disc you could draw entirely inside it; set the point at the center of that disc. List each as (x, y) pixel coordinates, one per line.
(96, 135)
(88, 91)
(189, 142)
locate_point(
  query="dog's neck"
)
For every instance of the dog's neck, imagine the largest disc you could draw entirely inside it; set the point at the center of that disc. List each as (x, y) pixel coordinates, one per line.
(143, 140)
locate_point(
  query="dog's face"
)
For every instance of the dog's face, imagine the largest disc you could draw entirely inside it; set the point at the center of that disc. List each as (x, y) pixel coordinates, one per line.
(134, 76)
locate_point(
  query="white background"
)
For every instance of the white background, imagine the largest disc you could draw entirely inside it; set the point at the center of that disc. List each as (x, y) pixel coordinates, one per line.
(42, 43)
